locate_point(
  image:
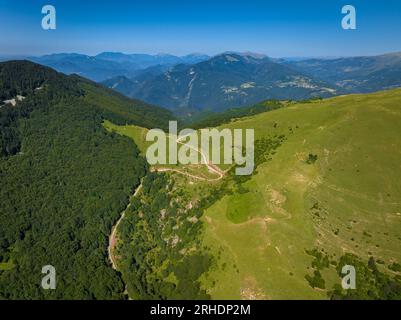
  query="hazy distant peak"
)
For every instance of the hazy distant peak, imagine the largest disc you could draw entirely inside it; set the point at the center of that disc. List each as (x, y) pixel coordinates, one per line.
(254, 55)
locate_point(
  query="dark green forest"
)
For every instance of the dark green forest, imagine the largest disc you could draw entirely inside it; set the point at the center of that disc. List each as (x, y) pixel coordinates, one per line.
(64, 182)
(28, 80)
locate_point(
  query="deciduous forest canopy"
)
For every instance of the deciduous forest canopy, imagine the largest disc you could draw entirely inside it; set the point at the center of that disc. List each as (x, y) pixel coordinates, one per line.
(64, 181)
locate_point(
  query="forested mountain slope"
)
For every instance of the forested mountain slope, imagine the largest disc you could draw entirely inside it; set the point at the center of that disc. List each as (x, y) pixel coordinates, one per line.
(224, 81)
(64, 181)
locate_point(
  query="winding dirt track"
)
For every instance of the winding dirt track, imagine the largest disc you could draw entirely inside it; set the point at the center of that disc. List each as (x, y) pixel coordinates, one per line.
(211, 167)
(113, 235)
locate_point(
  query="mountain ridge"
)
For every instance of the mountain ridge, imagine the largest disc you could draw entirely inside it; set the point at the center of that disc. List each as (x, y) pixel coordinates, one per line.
(195, 83)
(223, 81)
(361, 74)
(106, 65)
(227, 80)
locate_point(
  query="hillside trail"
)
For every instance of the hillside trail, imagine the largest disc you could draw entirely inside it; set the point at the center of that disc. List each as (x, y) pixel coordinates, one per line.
(210, 166)
(113, 235)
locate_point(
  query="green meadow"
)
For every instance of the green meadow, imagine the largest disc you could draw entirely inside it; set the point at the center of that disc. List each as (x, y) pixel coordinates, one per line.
(138, 134)
(348, 200)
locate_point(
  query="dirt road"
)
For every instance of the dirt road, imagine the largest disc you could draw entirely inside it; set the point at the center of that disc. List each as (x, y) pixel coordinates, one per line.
(113, 235)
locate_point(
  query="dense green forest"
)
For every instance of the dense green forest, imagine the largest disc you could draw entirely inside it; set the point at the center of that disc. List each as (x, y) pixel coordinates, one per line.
(64, 181)
(122, 110)
(28, 80)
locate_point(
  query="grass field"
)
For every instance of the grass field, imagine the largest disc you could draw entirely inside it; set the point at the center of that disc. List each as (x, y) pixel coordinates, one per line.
(138, 134)
(349, 200)
(346, 200)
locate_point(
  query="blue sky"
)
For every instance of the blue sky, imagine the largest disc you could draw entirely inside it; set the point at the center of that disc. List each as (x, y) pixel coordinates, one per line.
(279, 28)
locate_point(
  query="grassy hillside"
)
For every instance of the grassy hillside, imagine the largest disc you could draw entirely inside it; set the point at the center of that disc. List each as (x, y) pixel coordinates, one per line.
(327, 194)
(347, 201)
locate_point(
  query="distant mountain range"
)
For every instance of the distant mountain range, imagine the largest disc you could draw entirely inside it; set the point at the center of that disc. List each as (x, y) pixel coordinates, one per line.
(197, 82)
(355, 74)
(234, 80)
(110, 64)
(224, 81)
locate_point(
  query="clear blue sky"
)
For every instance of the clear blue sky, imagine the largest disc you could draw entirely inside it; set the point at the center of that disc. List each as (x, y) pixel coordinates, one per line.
(276, 28)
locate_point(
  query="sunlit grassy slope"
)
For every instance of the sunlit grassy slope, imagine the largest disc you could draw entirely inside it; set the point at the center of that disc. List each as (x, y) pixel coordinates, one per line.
(354, 189)
(349, 200)
(138, 134)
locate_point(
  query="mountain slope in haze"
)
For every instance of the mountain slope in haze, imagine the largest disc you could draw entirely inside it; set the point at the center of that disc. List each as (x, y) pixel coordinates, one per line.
(110, 64)
(121, 84)
(143, 61)
(83, 65)
(355, 74)
(129, 86)
(64, 181)
(227, 80)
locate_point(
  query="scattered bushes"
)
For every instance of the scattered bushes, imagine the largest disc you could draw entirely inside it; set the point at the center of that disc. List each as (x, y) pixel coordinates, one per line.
(312, 158)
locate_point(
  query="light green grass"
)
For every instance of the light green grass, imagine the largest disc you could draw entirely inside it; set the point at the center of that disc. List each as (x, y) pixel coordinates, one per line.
(6, 265)
(356, 181)
(138, 134)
